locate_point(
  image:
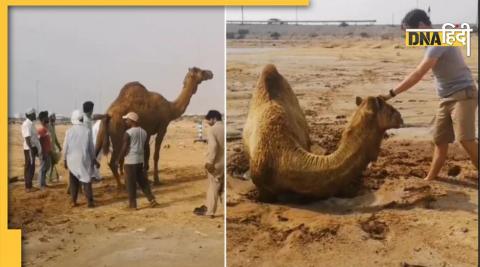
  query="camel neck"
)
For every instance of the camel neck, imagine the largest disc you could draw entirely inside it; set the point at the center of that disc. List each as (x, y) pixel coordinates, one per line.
(181, 103)
(357, 148)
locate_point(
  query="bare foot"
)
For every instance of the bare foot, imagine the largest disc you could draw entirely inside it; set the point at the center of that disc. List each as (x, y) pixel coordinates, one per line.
(428, 178)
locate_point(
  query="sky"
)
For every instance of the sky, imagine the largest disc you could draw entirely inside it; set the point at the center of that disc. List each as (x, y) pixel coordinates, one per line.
(442, 11)
(76, 54)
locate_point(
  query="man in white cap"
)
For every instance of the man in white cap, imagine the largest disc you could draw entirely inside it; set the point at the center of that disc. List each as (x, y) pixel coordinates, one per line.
(134, 145)
(79, 156)
(31, 147)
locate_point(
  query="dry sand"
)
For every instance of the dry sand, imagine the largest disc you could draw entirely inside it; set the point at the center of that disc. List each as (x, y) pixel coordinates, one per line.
(110, 235)
(397, 219)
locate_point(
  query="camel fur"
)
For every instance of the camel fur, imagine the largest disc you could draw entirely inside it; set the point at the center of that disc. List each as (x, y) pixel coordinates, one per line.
(276, 139)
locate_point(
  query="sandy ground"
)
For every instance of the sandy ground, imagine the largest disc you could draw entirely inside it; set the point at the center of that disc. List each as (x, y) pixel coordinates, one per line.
(397, 219)
(110, 235)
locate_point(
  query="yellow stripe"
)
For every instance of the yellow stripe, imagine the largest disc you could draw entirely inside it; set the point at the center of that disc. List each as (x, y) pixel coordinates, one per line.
(159, 3)
(10, 240)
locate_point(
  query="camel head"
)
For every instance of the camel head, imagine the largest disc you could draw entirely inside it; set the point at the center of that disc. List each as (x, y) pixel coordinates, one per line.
(387, 117)
(195, 76)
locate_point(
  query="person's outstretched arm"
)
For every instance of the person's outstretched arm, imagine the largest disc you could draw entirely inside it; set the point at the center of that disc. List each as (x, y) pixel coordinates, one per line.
(96, 117)
(413, 78)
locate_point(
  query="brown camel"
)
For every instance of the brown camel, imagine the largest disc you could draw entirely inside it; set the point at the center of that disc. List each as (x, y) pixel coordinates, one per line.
(277, 142)
(155, 114)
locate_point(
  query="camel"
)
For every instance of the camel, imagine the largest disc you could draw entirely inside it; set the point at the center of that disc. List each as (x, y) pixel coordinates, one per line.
(155, 114)
(277, 143)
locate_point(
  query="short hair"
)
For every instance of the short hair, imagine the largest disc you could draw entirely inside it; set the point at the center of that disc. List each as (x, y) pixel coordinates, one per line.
(414, 17)
(213, 114)
(43, 115)
(88, 106)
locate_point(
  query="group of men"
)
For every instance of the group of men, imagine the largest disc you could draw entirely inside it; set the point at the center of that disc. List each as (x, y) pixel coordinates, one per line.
(82, 163)
(42, 142)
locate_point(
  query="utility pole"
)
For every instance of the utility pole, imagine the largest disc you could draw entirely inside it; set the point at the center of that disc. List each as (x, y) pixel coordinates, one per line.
(393, 17)
(36, 94)
(242, 13)
(99, 105)
(296, 15)
(75, 97)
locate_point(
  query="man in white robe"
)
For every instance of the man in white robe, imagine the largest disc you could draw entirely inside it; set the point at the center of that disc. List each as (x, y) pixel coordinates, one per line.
(88, 120)
(79, 156)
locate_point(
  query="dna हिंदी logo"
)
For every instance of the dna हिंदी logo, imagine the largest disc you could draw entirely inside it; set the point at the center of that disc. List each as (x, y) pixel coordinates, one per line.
(448, 35)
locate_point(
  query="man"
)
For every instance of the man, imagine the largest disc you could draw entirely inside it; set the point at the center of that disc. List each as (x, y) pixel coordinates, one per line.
(31, 147)
(45, 142)
(79, 158)
(134, 144)
(56, 148)
(88, 119)
(215, 163)
(88, 114)
(455, 117)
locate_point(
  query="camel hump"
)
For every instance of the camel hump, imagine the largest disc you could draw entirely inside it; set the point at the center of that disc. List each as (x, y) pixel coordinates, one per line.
(131, 88)
(134, 84)
(272, 80)
(270, 70)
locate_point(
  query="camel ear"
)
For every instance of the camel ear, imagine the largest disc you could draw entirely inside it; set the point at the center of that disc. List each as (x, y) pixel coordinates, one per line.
(358, 100)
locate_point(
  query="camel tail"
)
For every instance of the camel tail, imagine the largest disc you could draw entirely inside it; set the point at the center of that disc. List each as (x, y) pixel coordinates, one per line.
(103, 137)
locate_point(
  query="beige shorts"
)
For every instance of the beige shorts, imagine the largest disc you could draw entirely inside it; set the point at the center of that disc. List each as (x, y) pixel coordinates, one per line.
(455, 118)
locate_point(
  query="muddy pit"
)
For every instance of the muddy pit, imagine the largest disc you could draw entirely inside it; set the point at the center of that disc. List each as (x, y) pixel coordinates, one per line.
(394, 203)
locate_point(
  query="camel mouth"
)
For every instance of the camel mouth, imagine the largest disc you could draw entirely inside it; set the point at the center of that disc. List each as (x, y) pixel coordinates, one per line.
(207, 75)
(400, 123)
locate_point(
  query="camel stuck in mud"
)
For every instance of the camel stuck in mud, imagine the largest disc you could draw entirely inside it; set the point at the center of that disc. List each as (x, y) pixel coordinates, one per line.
(277, 142)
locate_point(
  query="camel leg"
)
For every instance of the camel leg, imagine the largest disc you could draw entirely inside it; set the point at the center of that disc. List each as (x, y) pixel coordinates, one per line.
(114, 168)
(156, 156)
(146, 157)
